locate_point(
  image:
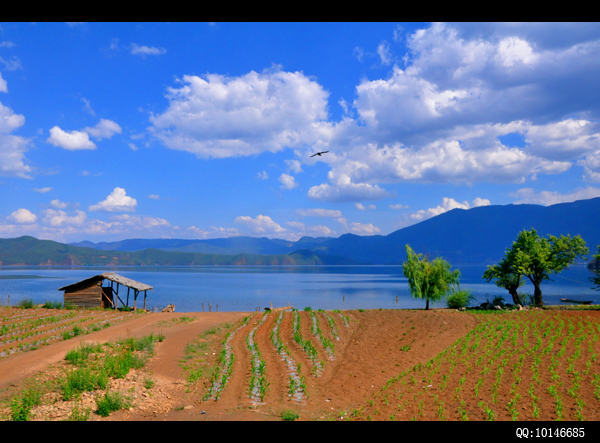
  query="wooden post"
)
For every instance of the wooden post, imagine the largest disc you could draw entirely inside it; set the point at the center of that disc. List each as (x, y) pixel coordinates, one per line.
(128, 288)
(217, 307)
(144, 300)
(202, 306)
(135, 294)
(271, 306)
(209, 306)
(112, 290)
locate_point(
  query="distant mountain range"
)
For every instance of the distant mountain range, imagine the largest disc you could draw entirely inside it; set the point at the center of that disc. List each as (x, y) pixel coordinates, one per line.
(474, 236)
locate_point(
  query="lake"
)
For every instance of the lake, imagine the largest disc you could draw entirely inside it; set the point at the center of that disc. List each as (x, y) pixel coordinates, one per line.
(244, 288)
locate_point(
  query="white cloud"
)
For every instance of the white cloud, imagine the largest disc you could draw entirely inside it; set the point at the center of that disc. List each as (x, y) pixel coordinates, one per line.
(22, 216)
(3, 87)
(87, 106)
(7, 44)
(262, 224)
(218, 116)
(359, 53)
(58, 218)
(319, 213)
(13, 64)
(262, 175)
(154, 196)
(103, 129)
(447, 205)
(546, 198)
(12, 147)
(117, 201)
(343, 190)
(9, 121)
(364, 229)
(146, 50)
(56, 203)
(301, 230)
(72, 141)
(398, 206)
(287, 181)
(43, 190)
(362, 207)
(383, 50)
(294, 166)
(132, 147)
(140, 223)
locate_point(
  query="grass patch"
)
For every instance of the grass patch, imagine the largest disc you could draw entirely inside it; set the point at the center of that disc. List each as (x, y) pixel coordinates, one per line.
(111, 403)
(52, 305)
(289, 415)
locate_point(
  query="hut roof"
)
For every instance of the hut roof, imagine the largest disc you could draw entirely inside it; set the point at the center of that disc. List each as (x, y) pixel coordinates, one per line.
(108, 276)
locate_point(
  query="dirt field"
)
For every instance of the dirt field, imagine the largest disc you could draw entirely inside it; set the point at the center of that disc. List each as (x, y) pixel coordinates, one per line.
(382, 365)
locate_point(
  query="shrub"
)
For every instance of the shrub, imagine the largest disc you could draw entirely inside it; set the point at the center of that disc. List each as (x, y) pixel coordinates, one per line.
(52, 305)
(460, 299)
(21, 409)
(26, 303)
(110, 403)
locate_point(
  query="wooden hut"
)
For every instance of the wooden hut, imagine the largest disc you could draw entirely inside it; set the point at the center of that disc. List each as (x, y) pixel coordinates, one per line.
(90, 293)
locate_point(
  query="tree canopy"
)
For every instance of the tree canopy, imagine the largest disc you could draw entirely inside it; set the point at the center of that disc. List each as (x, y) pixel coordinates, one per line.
(505, 279)
(536, 258)
(596, 280)
(428, 280)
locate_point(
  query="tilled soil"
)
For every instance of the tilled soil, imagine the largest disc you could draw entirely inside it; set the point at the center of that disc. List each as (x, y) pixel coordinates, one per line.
(362, 380)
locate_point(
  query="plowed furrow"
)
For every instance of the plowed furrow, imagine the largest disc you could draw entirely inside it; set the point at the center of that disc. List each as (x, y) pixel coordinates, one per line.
(276, 369)
(237, 385)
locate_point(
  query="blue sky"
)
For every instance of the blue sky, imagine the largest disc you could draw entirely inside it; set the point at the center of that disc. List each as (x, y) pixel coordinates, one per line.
(206, 130)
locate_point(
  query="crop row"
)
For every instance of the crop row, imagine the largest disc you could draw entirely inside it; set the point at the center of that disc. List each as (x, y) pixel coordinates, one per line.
(66, 322)
(508, 368)
(296, 382)
(307, 346)
(319, 335)
(6, 333)
(226, 360)
(258, 380)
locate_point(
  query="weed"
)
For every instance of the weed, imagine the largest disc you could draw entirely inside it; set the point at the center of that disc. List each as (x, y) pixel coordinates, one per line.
(110, 403)
(289, 415)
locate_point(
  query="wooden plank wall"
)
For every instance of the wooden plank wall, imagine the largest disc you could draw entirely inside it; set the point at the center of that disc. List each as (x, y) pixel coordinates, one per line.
(85, 298)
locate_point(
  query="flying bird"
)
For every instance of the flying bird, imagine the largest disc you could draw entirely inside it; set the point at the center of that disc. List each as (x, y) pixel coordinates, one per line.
(319, 153)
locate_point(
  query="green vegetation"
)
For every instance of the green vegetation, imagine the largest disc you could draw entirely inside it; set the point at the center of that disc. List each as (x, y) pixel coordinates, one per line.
(21, 406)
(536, 258)
(26, 303)
(428, 280)
(460, 299)
(110, 403)
(289, 415)
(52, 305)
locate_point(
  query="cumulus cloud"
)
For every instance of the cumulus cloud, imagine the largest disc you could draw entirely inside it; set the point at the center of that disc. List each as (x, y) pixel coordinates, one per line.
(43, 190)
(300, 230)
(287, 181)
(117, 201)
(262, 224)
(447, 205)
(364, 229)
(216, 116)
(103, 129)
(22, 216)
(546, 198)
(3, 87)
(58, 218)
(12, 147)
(343, 190)
(294, 166)
(56, 203)
(71, 140)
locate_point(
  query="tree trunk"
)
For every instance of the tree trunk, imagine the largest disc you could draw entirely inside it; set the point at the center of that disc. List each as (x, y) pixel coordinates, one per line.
(537, 296)
(427, 305)
(515, 297)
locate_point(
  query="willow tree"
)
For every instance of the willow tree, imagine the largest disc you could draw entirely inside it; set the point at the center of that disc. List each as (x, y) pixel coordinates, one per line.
(536, 258)
(429, 280)
(596, 280)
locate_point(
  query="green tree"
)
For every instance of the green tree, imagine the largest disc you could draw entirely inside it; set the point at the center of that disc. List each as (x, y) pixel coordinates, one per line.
(505, 279)
(428, 280)
(536, 258)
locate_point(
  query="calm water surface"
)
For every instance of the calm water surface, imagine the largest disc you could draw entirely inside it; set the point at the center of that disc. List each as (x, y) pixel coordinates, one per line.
(245, 288)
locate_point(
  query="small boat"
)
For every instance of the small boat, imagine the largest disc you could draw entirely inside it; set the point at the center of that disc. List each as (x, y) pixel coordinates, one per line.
(567, 300)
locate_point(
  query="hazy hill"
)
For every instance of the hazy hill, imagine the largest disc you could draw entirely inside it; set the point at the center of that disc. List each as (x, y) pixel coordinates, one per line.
(29, 251)
(478, 235)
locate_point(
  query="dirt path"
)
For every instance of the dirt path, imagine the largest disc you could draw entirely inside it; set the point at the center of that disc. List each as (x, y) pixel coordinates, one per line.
(18, 367)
